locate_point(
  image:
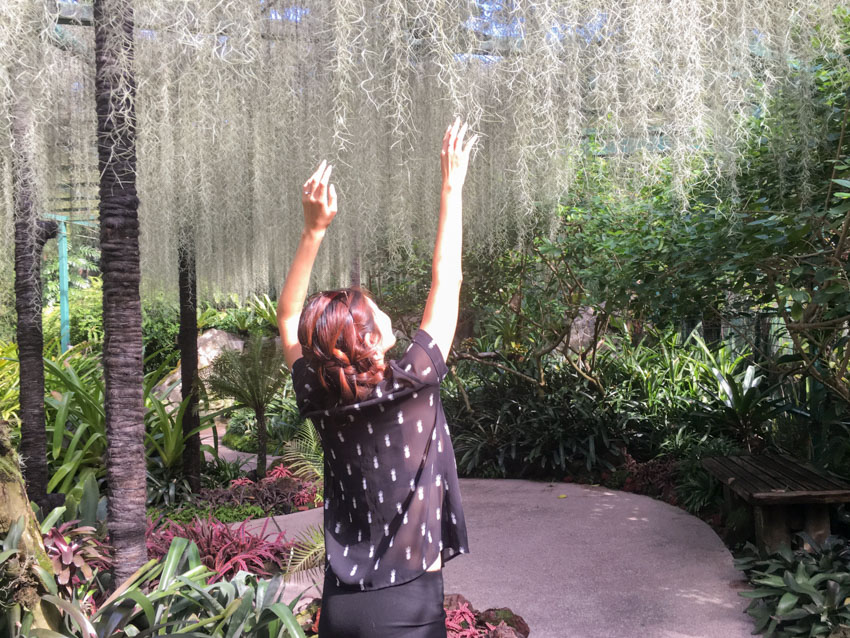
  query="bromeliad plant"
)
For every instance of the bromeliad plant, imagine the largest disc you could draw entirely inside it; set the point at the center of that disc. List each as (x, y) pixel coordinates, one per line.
(798, 593)
(171, 595)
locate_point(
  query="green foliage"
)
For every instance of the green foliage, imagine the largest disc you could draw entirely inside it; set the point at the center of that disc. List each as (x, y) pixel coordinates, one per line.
(798, 593)
(160, 327)
(86, 320)
(173, 595)
(251, 378)
(234, 513)
(512, 427)
(303, 455)
(83, 259)
(10, 380)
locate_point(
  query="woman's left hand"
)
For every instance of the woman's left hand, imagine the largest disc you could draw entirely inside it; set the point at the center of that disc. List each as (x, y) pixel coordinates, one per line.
(318, 199)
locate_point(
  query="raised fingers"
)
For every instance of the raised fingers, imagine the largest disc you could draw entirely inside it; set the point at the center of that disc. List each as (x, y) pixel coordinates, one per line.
(314, 177)
(468, 146)
(322, 185)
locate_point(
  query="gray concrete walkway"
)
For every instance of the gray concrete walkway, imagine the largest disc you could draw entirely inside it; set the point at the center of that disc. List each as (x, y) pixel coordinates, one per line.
(598, 563)
(249, 460)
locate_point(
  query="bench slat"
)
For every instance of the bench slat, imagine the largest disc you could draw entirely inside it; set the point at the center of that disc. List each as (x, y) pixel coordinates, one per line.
(778, 478)
(758, 482)
(733, 477)
(829, 482)
(803, 477)
(799, 498)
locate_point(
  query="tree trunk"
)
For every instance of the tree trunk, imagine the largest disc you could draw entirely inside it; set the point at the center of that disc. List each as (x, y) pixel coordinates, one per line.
(30, 237)
(122, 316)
(262, 442)
(24, 586)
(188, 338)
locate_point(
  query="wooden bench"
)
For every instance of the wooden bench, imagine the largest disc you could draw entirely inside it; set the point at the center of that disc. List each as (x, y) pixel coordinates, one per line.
(784, 492)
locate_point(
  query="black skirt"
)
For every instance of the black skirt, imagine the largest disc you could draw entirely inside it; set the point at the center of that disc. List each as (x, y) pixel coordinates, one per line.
(411, 610)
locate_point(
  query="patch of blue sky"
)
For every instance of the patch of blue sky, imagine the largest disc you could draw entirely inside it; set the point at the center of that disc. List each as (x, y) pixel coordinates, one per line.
(293, 13)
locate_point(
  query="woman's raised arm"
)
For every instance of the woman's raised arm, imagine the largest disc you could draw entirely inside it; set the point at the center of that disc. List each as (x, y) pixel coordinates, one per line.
(320, 206)
(441, 309)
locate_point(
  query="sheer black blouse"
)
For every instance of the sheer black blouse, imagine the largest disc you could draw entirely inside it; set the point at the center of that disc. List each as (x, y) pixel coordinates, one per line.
(392, 498)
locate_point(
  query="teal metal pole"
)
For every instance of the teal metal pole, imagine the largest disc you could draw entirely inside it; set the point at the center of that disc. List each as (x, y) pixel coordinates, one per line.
(64, 310)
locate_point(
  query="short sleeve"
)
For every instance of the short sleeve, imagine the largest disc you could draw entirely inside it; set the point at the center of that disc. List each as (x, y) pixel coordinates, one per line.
(422, 362)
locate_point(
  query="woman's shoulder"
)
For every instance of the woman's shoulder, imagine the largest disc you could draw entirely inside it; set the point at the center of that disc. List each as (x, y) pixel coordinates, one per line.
(422, 361)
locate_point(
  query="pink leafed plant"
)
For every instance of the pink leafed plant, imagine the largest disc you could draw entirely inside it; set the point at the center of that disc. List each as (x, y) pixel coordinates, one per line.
(241, 481)
(223, 549)
(278, 472)
(460, 622)
(305, 495)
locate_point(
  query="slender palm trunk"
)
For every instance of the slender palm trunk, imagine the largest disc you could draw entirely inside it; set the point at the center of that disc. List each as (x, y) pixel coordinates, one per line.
(30, 237)
(188, 338)
(122, 316)
(262, 442)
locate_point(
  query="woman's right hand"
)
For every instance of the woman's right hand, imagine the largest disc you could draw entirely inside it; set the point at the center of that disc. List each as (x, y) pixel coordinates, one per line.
(318, 200)
(454, 158)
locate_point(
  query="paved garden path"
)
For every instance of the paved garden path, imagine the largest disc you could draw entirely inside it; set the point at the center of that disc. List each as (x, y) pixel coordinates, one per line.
(249, 460)
(598, 563)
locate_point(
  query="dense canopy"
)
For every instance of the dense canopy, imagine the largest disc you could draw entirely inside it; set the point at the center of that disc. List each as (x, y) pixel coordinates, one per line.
(238, 100)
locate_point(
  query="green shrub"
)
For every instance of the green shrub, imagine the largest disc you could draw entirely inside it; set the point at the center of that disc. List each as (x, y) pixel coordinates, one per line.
(160, 327)
(85, 317)
(798, 592)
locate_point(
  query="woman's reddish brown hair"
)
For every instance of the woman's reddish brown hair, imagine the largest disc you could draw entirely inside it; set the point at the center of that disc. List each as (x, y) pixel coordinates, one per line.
(333, 332)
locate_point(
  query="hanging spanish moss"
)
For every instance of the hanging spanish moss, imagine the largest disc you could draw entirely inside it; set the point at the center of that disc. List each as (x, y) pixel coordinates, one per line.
(238, 100)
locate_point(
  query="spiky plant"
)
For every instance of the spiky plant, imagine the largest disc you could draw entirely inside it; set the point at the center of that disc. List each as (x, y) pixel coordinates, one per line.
(251, 378)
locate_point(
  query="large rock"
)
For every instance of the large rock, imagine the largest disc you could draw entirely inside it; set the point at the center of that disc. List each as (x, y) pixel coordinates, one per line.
(210, 344)
(497, 616)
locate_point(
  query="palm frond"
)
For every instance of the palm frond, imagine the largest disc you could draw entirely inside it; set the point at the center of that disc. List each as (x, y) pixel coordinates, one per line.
(303, 454)
(307, 559)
